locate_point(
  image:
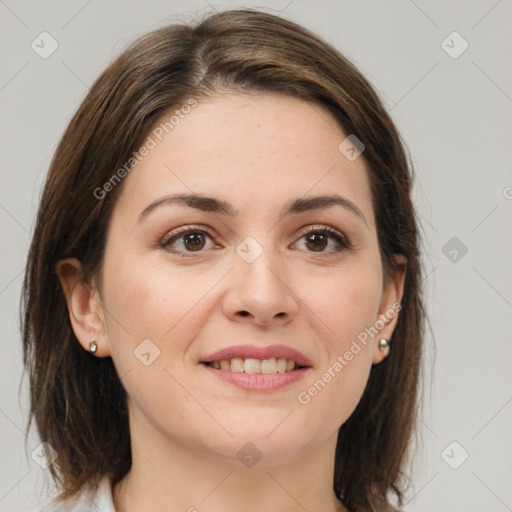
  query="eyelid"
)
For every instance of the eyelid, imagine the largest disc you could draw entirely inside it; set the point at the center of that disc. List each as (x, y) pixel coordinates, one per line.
(185, 229)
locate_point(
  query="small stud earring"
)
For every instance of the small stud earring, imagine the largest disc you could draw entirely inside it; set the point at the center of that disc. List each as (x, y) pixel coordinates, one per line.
(93, 346)
(384, 345)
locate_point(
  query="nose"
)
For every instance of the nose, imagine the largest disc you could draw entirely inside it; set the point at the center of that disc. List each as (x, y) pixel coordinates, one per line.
(259, 293)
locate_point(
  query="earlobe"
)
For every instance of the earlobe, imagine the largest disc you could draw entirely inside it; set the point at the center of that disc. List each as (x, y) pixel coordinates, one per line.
(389, 309)
(84, 308)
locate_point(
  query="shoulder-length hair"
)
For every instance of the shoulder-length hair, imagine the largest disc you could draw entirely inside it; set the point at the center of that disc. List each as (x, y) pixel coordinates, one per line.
(77, 401)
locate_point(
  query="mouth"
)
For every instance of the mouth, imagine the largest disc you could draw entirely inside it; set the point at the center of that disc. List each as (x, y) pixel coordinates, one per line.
(257, 368)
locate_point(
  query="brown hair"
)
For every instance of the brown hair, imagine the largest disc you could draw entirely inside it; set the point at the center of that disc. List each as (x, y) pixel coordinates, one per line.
(78, 401)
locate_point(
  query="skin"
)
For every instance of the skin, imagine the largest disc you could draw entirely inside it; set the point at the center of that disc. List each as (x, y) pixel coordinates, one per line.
(257, 152)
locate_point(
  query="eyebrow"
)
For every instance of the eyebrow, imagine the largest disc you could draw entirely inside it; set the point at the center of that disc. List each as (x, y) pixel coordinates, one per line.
(294, 206)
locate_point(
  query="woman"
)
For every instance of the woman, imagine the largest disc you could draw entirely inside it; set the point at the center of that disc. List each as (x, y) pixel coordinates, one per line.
(222, 303)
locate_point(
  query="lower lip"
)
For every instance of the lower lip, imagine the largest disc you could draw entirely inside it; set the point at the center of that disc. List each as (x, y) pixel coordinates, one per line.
(258, 381)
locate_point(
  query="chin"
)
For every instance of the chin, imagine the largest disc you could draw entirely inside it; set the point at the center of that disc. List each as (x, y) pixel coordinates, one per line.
(274, 437)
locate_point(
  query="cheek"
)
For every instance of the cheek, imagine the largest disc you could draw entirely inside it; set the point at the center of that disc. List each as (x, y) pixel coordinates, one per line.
(151, 317)
(148, 301)
(345, 308)
(139, 305)
(346, 302)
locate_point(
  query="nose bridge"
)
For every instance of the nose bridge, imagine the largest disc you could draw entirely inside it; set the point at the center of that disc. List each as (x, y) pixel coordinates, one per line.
(258, 287)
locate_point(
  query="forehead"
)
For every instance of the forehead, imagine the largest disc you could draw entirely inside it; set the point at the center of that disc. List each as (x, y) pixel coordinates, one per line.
(250, 150)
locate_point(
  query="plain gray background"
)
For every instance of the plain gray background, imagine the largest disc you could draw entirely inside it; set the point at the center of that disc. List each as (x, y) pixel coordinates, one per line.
(455, 116)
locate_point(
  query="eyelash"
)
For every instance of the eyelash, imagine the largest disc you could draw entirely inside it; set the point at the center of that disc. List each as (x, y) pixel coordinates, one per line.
(343, 243)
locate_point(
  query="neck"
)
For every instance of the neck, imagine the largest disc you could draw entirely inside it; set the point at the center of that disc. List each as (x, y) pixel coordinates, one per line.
(166, 475)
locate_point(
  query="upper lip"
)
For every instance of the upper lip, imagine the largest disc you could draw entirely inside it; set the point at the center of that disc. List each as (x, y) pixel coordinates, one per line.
(258, 352)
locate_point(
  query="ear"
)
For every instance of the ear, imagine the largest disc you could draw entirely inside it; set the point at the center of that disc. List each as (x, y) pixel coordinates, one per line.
(390, 306)
(84, 306)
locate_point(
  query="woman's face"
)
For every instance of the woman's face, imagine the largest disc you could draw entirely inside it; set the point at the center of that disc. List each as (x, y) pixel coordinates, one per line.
(277, 261)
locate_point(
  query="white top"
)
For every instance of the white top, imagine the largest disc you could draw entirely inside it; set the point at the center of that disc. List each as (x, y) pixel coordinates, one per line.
(91, 499)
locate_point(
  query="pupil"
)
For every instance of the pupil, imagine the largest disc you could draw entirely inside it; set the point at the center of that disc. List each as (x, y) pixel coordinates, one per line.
(319, 241)
(194, 241)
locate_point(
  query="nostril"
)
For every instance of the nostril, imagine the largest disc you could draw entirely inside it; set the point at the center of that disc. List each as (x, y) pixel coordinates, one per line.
(244, 313)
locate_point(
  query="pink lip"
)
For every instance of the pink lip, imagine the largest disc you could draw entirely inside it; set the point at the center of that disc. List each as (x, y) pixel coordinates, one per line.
(255, 352)
(258, 381)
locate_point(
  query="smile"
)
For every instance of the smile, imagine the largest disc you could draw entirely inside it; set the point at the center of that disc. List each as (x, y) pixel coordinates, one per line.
(257, 368)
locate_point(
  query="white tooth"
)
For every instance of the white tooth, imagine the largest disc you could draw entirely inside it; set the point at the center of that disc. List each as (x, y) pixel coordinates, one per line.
(268, 366)
(216, 364)
(281, 364)
(290, 365)
(224, 365)
(252, 365)
(237, 364)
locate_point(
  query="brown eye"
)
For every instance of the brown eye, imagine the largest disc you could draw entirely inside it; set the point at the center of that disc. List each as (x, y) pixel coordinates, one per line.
(324, 240)
(194, 241)
(317, 241)
(187, 241)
